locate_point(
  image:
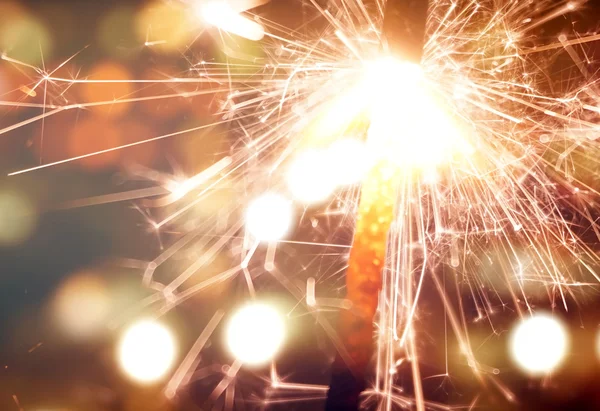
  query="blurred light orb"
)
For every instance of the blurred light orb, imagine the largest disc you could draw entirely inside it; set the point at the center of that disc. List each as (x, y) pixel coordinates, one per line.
(92, 135)
(18, 218)
(23, 37)
(164, 26)
(115, 33)
(539, 344)
(82, 305)
(108, 87)
(350, 161)
(269, 217)
(311, 177)
(255, 333)
(146, 351)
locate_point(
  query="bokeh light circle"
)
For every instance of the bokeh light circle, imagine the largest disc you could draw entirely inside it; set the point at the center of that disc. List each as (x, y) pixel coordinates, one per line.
(18, 218)
(24, 37)
(255, 333)
(269, 217)
(108, 88)
(146, 351)
(82, 305)
(164, 26)
(539, 344)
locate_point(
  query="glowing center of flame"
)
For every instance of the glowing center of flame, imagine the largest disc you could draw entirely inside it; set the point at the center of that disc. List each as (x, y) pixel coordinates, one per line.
(408, 126)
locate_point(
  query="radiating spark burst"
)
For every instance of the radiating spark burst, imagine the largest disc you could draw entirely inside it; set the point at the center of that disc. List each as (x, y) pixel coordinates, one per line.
(515, 206)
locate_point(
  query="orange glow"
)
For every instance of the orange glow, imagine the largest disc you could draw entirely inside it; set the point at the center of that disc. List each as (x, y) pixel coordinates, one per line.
(367, 257)
(92, 135)
(119, 88)
(407, 130)
(49, 138)
(144, 154)
(208, 101)
(197, 150)
(162, 108)
(164, 26)
(14, 86)
(10, 10)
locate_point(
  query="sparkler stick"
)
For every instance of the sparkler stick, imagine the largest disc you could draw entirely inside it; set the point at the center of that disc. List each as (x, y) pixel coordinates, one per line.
(403, 33)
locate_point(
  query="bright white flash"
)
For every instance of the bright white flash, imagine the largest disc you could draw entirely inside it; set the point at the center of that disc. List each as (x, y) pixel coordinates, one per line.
(146, 351)
(255, 333)
(349, 160)
(269, 217)
(408, 124)
(539, 344)
(311, 177)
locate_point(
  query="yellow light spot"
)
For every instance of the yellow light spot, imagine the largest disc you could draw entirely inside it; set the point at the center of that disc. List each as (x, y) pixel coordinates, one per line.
(82, 305)
(17, 218)
(27, 91)
(164, 26)
(108, 83)
(539, 344)
(147, 351)
(269, 217)
(255, 333)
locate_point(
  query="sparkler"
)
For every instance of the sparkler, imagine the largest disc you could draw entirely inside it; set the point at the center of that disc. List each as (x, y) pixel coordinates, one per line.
(492, 206)
(403, 31)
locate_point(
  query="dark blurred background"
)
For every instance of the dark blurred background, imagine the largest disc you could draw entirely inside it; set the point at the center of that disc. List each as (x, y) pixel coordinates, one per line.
(65, 273)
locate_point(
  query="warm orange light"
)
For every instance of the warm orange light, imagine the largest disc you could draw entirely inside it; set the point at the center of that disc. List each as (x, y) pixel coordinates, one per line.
(164, 26)
(166, 97)
(133, 131)
(408, 129)
(92, 135)
(109, 84)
